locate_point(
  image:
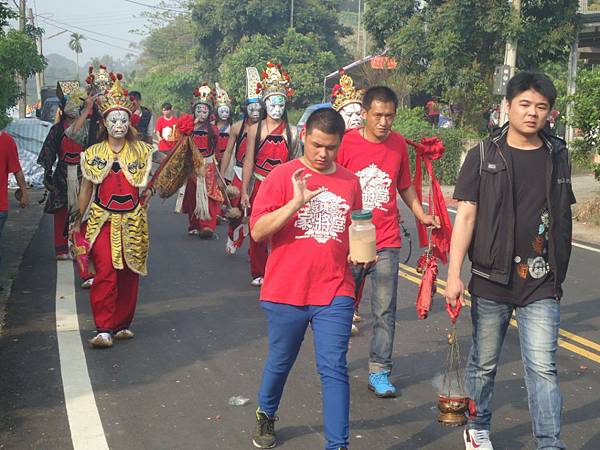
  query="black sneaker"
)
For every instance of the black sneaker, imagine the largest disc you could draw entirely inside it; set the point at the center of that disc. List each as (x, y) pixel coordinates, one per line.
(264, 436)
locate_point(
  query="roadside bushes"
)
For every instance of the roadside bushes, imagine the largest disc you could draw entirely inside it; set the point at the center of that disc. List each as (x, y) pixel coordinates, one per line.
(411, 124)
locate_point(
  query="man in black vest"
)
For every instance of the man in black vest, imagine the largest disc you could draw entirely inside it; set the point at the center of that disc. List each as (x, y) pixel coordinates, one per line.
(514, 220)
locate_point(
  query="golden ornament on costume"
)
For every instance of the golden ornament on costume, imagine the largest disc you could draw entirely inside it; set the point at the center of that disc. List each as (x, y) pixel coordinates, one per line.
(222, 97)
(204, 94)
(274, 81)
(128, 230)
(99, 80)
(116, 97)
(345, 93)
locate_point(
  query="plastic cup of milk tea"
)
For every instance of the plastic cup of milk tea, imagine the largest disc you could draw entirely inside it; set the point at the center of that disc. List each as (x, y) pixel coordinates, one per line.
(362, 237)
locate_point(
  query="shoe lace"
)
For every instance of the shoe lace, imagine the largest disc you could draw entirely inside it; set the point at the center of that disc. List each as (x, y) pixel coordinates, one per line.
(482, 436)
(266, 424)
(382, 378)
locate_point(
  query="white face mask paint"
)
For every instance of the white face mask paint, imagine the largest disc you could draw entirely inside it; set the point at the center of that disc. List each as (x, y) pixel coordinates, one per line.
(254, 111)
(275, 106)
(201, 112)
(223, 112)
(351, 115)
(117, 124)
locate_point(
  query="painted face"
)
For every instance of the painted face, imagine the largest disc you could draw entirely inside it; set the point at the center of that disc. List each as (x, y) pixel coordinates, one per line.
(254, 111)
(351, 115)
(117, 124)
(275, 106)
(201, 112)
(223, 112)
(72, 108)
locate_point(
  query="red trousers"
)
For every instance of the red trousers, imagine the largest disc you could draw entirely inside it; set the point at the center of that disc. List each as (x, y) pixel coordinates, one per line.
(114, 293)
(61, 224)
(189, 204)
(258, 251)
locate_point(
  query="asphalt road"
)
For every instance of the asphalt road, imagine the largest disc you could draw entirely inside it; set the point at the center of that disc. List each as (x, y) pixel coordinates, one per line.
(201, 339)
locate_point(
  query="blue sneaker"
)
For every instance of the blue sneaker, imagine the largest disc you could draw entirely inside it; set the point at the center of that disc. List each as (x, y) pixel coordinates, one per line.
(379, 383)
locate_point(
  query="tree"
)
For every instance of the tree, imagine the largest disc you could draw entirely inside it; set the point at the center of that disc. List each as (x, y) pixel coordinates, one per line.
(222, 24)
(18, 56)
(304, 56)
(450, 48)
(75, 45)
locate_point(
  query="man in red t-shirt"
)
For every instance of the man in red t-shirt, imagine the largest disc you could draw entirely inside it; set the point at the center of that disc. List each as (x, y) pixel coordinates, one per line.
(165, 128)
(9, 163)
(379, 157)
(304, 208)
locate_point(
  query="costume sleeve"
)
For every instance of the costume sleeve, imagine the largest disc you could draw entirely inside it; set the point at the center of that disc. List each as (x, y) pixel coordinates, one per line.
(14, 166)
(404, 180)
(81, 136)
(467, 182)
(271, 196)
(50, 148)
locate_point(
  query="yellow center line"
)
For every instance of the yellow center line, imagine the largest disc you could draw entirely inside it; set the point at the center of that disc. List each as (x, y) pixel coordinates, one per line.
(415, 277)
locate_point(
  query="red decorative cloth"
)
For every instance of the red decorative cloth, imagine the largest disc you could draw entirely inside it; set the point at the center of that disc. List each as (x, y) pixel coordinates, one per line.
(428, 266)
(427, 151)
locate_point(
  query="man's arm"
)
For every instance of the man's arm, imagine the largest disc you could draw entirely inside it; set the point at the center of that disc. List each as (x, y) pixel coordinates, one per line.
(248, 168)
(270, 223)
(77, 131)
(462, 234)
(24, 201)
(233, 135)
(409, 197)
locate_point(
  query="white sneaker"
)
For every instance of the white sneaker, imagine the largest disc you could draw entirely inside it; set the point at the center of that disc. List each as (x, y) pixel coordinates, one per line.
(258, 281)
(356, 317)
(193, 232)
(477, 440)
(230, 247)
(63, 257)
(87, 283)
(354, 329)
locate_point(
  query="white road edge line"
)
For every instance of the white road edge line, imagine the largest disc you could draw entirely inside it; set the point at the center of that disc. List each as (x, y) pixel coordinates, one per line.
(86, 428)
(574, 244)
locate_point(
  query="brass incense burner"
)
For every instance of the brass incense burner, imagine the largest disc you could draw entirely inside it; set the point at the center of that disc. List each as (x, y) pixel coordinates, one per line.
(452, 410)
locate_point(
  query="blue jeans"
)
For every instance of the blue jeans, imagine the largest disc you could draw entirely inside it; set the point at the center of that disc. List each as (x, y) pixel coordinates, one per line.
(3, 217)
(331, 327)
(538, 325)
(381, 282)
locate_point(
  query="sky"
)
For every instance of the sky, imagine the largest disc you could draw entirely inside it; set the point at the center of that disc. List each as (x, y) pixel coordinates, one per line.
(106, 25)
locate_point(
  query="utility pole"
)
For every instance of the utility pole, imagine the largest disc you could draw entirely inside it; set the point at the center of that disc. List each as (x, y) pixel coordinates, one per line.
(358, 33)
(22, 81)
(510, 59)
(39, 76)
(292, 14)
(364, 31)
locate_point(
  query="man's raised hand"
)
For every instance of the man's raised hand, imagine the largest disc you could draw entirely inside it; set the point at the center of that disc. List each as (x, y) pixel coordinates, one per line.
(302, 194)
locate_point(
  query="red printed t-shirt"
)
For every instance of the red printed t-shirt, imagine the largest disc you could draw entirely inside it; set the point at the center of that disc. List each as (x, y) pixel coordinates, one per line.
(308, 260)
(383, 170)
(164, 127)
(9, 163)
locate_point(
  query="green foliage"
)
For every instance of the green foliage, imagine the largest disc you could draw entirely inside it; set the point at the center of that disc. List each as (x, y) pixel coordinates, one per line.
(450, 48)
(18, 56)
(161, 86)
(412, 125)
(586, 117)
(222, 24)
(304, 56)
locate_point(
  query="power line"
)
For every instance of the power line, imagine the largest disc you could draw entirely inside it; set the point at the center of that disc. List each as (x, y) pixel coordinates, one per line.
(157, 7)
(96, 40)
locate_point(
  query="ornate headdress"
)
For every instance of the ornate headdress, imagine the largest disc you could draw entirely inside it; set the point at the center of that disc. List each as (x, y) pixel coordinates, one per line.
(345, 93)
(252, 81)
(116, 97)
(274, 80)
(204, 94)
(70, 91)
(222, 97)
(99, 80)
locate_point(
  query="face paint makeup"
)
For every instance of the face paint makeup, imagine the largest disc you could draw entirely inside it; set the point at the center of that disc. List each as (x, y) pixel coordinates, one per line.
(223, 112)
(254, 111)
(117, 123)
(275, 106)
(351, 115)
(201, 112)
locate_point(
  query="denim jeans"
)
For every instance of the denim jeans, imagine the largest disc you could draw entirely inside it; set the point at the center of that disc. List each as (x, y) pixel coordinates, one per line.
(3, 217)
(538, 325)
(381, 282)
(331, 327)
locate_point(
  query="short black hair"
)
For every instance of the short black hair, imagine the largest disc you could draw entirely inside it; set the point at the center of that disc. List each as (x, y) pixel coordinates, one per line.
(167, 105)
(327, 120)
(136, 94)
(381, 93)
(537, 81)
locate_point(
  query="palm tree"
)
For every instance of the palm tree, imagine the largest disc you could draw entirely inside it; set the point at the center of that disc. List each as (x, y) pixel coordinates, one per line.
(75, 45)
